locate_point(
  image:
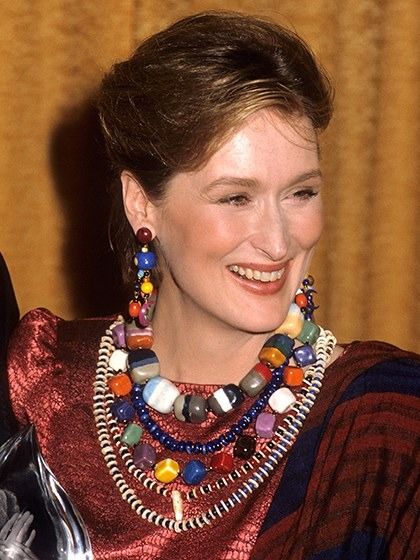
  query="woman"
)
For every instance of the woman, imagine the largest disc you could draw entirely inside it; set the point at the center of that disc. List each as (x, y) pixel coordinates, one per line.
(237, 428)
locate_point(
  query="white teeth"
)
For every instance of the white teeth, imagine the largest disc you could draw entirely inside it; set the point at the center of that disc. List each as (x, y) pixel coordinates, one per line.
(251, 274)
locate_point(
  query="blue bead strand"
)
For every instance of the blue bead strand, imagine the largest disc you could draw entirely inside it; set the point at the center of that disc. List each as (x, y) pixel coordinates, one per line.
(213, 445)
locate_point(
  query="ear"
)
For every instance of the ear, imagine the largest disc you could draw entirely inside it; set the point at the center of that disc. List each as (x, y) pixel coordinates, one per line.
(138, 208)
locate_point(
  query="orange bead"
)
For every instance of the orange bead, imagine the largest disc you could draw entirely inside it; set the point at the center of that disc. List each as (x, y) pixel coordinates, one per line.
(271, 356)
(139, 341)
(120, 384)
(293, 376)
(134, 308)
(301, 300)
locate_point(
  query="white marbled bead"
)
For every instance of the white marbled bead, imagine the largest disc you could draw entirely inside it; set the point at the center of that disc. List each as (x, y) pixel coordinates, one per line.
(160, 394)
(118, 360)
(282, 400)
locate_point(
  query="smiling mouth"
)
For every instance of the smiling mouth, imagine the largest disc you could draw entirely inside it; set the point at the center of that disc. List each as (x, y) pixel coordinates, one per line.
(257, 275)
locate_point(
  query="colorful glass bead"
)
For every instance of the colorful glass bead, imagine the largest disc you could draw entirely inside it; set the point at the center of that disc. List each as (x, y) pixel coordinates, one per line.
(293, 376)
(118, 360)
(194, 472)
(244, 447)
(147, 287)
(143, 364)
(271, 356)
(304, 355)
(146, 311)
(301, 300)
(160, 394)
(282, 342)
(166, 470)
(137, 337)
(256, 379)
(225, 399)
(120, 384)
(144, 456)
(282, 400)
(190, 408)
(309, 333)
(122, 410)
(292, 325)
(145, 260)
(134, 308)
(118, 335)
(144, 235)
(264, 425)
(131, 435)
(222, 462)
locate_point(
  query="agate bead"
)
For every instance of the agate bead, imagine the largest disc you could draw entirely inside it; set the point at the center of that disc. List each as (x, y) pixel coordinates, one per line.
(282, 400)
(222, 462)
(264, 425)
(160, 394)
(225, 399)
(131, 435)
(143, 364)
(123, 410)
(271, 356)
(194, 472)
(282, 342)
(244, 447)
(118, 335)
(293, 376)
(120, 384)
(118, 360)
(256, 379)
(137, 337)
(166, 470)
(301, 300)
(144, 456)
(134, 308)
(304, 355)
(309, 333)
(190, 408)
(292, 325)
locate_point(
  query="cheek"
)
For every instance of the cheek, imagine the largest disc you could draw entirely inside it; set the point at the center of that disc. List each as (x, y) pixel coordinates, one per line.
(308, 229)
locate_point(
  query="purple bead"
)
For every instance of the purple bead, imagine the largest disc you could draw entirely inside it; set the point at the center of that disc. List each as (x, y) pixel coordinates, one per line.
(118, 335)
(144, 456)
(264, 425)
(304, 355)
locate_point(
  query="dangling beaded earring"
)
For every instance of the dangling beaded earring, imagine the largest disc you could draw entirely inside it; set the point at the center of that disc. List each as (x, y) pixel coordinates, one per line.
(139, 332)
(304, 298)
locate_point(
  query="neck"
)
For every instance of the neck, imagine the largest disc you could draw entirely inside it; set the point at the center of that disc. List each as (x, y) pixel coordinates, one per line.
(195, 348)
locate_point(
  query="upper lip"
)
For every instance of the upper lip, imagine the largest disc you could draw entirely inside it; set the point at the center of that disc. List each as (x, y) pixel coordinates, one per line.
(261, 267)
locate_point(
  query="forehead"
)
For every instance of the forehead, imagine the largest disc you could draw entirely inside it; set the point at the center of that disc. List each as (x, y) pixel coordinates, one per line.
(265, 145)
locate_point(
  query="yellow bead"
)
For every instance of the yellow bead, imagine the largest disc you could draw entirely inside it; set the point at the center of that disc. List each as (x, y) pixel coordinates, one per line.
(271, 356)
(292, 325)
(166, 470)
(146, 287)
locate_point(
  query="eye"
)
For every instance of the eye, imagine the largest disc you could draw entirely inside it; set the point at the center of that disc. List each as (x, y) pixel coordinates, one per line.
(306, 193)
(235, 200)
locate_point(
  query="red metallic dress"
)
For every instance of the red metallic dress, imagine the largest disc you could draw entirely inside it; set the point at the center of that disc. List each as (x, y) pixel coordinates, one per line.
(347, 489)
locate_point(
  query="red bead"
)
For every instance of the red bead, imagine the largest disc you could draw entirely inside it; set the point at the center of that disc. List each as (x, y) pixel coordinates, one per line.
(264, 371)
(144, 235)
(222, 462)
(301, 300)
(134, 309)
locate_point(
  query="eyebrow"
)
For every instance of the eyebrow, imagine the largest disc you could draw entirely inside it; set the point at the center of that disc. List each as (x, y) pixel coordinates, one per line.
(252, 183)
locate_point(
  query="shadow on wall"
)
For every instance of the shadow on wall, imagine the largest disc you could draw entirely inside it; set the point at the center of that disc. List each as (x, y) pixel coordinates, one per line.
(82, 177)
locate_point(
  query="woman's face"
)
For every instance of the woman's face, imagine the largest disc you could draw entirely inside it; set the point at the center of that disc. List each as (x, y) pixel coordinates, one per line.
(236, 236)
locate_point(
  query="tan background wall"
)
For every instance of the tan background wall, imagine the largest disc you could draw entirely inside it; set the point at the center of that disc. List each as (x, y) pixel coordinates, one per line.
(53, 177)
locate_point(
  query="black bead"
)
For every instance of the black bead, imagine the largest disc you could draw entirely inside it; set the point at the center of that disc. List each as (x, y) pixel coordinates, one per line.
(244, 447)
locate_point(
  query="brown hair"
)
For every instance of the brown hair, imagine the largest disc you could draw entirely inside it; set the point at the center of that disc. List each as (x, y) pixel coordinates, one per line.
(168, 107)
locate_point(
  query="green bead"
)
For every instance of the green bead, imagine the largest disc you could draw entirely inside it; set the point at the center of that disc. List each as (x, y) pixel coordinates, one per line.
(282, 342)
(132, 434)
(309, 333)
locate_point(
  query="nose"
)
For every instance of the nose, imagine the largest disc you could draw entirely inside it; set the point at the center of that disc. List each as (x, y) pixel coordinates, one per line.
(272, 235)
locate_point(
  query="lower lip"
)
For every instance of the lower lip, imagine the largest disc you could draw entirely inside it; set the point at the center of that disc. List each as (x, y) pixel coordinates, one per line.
(261, 288)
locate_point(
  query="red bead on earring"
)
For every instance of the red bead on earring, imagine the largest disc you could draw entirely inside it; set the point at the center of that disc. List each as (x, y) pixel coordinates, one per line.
(144, 235)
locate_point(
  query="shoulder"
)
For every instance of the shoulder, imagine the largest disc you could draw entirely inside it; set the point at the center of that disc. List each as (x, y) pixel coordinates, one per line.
(44, 347)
